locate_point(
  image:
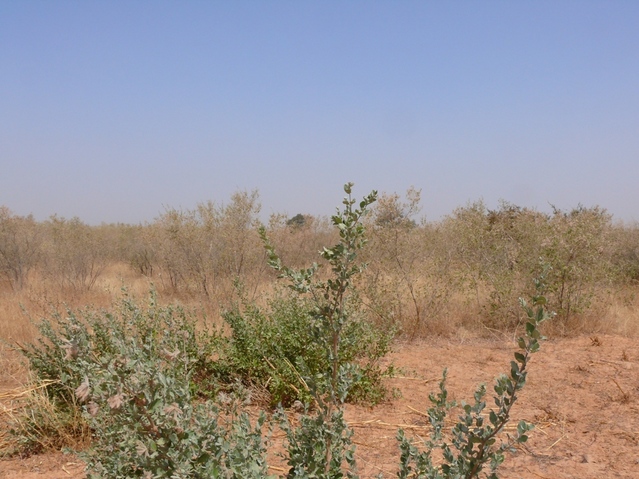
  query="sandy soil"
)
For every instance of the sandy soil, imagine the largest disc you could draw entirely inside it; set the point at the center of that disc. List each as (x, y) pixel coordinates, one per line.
(582, 394)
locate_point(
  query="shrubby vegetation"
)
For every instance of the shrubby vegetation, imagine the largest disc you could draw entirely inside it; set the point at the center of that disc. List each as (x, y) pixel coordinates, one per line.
(409, 277)
(269, 347)
(164, 395)
(75, 253)
(205, 249)
(20, 247)
(497, 251)
(470, 267)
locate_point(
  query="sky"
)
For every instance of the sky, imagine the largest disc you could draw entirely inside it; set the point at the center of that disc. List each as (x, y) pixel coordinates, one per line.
(112, 111)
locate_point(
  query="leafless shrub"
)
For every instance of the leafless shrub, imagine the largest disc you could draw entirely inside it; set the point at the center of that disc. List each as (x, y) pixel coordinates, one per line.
(76, 253)
(20, 247)
(407, 280)
(206, 248)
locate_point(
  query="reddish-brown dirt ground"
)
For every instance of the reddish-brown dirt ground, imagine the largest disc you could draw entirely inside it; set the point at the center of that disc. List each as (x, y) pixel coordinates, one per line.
(582, 393)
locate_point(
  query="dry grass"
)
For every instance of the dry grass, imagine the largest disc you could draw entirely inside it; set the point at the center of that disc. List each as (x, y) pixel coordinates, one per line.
(32, 423)
(622, 316)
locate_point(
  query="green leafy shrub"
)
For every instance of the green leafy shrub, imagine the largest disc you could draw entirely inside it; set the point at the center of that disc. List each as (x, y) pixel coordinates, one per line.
(69, 342)
(495, 252)
(136, 372)
(269, 348)
(320, 446)
(147, 424)
(279, 347)
(266, 348)
(578, 251)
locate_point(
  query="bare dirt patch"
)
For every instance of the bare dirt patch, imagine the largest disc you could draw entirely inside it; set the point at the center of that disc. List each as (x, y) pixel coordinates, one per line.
(582, 394)
(50, 466)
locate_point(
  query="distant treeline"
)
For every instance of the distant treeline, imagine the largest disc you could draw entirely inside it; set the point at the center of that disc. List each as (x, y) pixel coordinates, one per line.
(473, 265)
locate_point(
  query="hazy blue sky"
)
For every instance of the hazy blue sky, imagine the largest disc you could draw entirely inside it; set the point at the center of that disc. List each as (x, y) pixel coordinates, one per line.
(110, 110)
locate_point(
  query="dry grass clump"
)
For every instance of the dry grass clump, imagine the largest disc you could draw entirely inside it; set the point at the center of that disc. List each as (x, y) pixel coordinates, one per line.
(622, 314)
(32, 423)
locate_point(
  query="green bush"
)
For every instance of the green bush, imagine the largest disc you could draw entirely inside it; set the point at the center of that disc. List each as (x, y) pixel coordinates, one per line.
(273, 348)
(147, 424)
(266, 347)
(136, 372)
(320, 447)
(578, 251)
(69, 342)
(495, 252)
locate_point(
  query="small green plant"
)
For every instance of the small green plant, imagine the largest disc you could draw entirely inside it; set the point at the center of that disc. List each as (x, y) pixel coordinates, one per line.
(472, 448)
(321, 447)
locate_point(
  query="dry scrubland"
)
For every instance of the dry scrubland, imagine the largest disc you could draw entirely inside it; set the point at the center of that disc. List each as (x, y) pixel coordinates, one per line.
(456, 282)
(464, 272)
